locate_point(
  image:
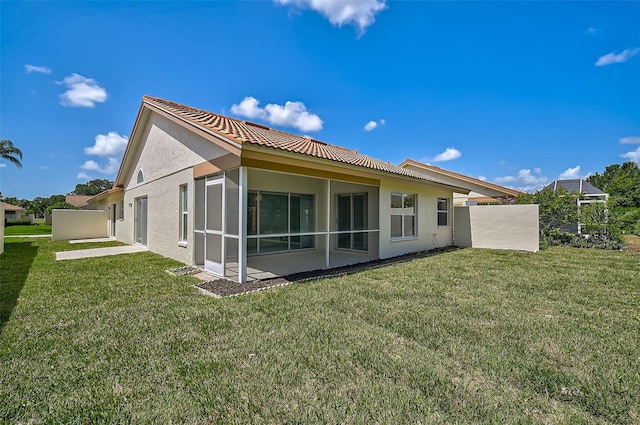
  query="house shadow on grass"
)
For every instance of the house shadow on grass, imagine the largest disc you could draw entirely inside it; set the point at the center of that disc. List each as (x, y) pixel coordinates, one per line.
(223, 287)
(15, 264)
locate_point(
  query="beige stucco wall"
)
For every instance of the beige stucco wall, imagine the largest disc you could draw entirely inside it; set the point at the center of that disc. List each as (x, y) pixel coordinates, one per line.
(163, 216)
(512, 227)
(78, 224)
(430, 235)
(166, 156)
(108, 205)
(167, 148)
(462, 227)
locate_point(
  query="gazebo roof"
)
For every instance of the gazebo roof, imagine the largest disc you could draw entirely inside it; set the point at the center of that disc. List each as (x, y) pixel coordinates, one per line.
(580, 186)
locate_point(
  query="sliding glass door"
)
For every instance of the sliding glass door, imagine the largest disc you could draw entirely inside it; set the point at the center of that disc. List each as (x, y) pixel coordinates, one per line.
(352, 217)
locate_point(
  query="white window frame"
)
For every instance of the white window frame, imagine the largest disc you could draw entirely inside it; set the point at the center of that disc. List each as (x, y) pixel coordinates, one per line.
(445, 212)
(402, 215)
(184, 213)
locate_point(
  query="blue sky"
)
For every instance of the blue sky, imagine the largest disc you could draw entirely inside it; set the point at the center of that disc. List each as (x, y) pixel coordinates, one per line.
(517, 93)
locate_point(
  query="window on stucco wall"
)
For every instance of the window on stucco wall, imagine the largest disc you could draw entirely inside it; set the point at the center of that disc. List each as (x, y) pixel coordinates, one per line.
(443, 212)
(184, 212)
(403, 215)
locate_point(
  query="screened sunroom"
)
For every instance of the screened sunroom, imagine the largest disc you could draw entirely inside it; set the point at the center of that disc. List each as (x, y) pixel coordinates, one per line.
(253, 224)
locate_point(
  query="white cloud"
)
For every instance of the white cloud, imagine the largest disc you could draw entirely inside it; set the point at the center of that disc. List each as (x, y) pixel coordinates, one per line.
(571, 173)
(371, 125)
(110, 168)
(3, 165)
(292, 114)
(483, 178)
(630, 140)
(249, 108)
(359, 13)
(592, 31)
(613, 57)
(506, 179)
(82, 91)
(110, 145)
(632, 156)
(448, 155)
(83, 176)
(40, 69)
(525, 181)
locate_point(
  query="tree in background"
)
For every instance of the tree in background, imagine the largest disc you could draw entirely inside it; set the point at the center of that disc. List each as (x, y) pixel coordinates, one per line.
(11, 153)
(93, 187)
(60, 206)
(622, 183)
(559, 217)
(557, 209)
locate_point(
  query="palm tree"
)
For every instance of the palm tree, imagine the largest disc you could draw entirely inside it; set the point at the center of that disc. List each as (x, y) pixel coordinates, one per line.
(9, 152)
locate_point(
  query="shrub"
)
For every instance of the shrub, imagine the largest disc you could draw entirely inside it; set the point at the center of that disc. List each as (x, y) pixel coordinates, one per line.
(628, 220)
(17, 222)
(557, 237)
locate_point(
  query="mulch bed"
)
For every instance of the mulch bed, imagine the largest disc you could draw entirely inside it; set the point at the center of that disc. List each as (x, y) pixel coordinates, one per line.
(228, 288)
(631, 243)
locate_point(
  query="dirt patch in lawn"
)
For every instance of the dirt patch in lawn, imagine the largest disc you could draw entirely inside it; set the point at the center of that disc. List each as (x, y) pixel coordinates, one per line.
(631, 243)
(228, 288)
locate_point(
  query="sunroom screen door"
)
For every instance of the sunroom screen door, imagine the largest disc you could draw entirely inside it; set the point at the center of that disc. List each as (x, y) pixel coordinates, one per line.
(213, 243)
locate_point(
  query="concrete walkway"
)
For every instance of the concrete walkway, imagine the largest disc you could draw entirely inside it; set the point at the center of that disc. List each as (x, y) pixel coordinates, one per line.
(27, 236)
(92, 240)
(99, 252)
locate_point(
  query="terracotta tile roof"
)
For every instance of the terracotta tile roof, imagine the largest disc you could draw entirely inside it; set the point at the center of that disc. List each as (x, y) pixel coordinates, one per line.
(9, 207)
(489, 185)
(241, 131)
(77, 200)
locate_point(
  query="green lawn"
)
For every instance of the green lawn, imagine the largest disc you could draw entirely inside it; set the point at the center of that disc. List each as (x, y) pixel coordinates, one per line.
(35, 229)
(468, 336)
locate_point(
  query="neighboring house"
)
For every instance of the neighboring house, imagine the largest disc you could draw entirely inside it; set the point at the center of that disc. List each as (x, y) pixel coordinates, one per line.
(77, 200)
(13, 212)
(246, 201)
(587, 194)
(482, 192)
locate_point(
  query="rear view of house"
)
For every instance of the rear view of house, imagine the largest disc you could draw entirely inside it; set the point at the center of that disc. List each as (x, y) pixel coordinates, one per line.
(246, 201)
